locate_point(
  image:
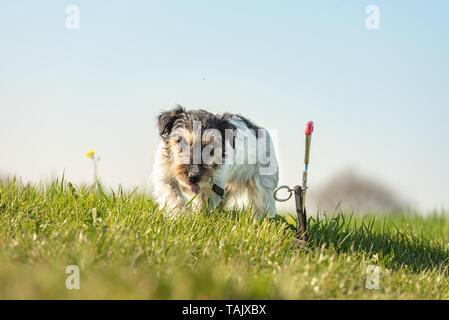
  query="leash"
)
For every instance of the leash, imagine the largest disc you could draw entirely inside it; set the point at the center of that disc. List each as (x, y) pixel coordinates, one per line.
(300, 191)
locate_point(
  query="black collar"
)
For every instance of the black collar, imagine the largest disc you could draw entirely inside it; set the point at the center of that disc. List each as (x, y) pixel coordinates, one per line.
(218, 190)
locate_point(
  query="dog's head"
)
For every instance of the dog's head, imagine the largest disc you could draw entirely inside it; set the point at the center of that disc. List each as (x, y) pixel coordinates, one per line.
(196, 142)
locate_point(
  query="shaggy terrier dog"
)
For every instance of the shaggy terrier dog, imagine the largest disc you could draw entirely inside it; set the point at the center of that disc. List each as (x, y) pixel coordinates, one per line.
(214, 159)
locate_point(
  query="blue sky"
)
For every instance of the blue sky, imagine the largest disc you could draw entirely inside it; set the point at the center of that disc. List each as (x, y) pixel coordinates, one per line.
(379, 98)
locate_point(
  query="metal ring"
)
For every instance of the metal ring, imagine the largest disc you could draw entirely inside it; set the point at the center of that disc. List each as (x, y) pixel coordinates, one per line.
(279, 188)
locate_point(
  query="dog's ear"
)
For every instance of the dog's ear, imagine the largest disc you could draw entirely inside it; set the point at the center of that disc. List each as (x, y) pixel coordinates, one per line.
(167, 119)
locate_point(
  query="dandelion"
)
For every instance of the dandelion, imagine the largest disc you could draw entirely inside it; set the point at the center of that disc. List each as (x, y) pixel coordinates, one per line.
(91, 155)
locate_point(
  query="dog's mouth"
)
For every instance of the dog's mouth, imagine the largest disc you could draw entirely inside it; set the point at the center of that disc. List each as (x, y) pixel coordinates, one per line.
(195, 188)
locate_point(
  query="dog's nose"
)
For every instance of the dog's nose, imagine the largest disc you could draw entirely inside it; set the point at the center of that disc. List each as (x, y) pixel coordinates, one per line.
(194, 178)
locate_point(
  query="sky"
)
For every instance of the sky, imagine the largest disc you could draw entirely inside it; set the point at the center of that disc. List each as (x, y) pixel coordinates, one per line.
(379, 98)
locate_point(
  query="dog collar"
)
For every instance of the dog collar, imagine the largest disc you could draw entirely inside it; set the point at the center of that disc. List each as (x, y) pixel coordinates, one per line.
(217, 189)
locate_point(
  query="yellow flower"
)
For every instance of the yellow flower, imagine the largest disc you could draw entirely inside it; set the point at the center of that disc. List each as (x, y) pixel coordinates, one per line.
(90, 154)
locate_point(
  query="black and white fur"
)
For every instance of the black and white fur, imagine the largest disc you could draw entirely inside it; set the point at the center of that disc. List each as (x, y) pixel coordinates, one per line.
(176, 183)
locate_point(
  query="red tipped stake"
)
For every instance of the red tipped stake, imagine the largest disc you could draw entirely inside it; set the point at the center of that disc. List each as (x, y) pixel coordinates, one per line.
(309, 128)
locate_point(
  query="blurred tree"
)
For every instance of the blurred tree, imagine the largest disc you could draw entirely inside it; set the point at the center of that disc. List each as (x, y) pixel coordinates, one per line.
(351, 192)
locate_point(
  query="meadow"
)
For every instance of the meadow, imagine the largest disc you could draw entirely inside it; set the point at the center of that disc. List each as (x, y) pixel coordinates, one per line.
(126, 248)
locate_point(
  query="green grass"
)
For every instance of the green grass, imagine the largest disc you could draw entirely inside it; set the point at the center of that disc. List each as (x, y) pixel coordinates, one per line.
(126, 248)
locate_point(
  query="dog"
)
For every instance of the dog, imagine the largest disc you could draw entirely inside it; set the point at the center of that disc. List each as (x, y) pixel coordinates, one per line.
(214, 159)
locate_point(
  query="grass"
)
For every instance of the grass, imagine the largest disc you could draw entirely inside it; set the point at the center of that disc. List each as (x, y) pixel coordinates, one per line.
(126, 248)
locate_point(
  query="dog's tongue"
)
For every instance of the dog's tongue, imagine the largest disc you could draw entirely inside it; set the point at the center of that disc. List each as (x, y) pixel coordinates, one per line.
(194, 188)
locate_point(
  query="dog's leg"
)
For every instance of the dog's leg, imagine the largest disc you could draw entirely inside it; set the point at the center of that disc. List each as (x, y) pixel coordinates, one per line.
(169, 198)
(260, 195)
(167, 194)
(207, 199)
